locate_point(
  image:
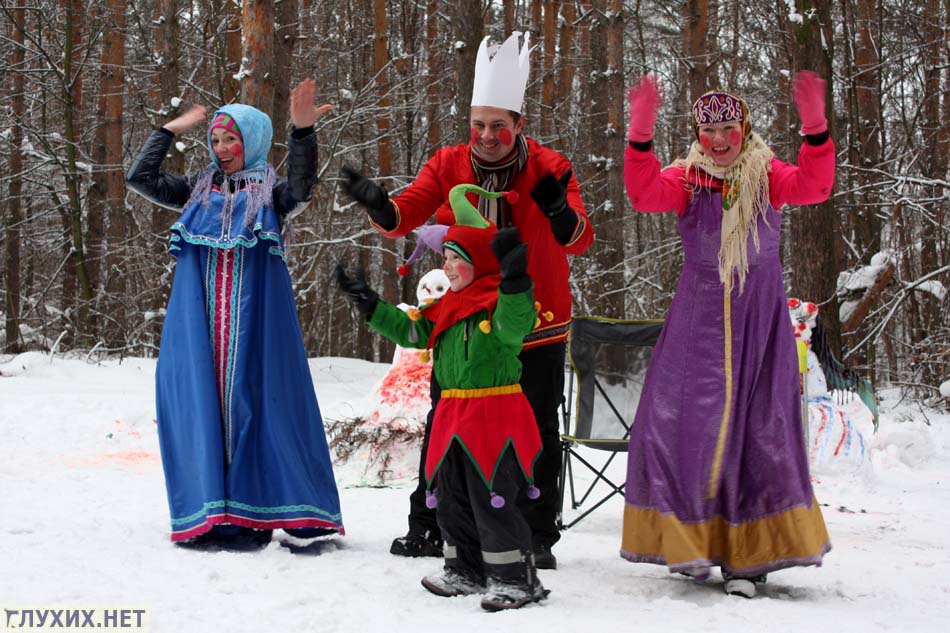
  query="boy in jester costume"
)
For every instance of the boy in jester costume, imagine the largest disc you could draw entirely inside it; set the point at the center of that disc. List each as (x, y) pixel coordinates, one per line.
(484, 439)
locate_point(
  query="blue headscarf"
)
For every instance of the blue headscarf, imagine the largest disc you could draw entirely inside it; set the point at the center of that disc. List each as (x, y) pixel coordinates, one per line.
(256, 130)
(256, 181)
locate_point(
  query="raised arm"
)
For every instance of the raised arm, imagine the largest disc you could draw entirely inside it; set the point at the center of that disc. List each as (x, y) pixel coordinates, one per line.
(559, 198)
(811, 180)
(144, 175)
(302, 155)
(650, 189)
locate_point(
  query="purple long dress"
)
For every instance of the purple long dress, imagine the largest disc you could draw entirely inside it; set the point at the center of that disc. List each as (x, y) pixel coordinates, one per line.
(717, 471)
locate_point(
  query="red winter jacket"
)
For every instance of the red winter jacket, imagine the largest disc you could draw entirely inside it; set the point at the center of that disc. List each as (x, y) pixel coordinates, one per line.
(547, 258)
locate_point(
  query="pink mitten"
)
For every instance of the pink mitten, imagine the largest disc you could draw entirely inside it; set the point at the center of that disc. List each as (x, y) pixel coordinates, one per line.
(644, 102)
(808, 90)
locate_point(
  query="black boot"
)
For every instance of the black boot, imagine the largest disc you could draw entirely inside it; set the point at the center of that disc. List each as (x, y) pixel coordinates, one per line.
(544, 558)
(415, 544)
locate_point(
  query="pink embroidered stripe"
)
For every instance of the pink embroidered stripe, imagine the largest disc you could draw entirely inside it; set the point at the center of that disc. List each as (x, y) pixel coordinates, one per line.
(256, 524)
(223, 281)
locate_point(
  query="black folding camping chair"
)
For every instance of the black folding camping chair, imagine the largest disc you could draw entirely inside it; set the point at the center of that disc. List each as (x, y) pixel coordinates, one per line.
(608, 360)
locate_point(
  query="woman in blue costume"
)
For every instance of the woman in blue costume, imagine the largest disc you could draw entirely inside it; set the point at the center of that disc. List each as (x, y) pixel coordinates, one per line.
(242, 441)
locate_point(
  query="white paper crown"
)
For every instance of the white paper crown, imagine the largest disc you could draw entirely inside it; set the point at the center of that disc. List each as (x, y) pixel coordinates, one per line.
(501, 73)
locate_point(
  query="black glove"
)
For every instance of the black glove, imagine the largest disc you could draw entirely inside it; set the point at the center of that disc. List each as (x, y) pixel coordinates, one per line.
(357, 290)
(512, 256)
(551, 195)
(370, 195)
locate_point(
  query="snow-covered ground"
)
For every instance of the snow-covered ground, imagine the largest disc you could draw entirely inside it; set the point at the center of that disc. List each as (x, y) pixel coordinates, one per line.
(83, 524)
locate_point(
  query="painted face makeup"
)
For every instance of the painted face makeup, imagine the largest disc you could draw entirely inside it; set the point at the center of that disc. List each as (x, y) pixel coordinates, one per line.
(228, 149)
(721, 141)
(460, 272)
(493, 132)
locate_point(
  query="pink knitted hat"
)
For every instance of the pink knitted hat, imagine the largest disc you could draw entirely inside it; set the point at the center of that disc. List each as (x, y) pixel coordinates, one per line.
(225, 121)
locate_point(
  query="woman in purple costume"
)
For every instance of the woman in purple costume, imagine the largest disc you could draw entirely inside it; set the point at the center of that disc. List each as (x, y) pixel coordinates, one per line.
(717, 471)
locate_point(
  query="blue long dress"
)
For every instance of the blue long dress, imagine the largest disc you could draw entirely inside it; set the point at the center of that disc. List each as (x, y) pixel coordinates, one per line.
(240, 431)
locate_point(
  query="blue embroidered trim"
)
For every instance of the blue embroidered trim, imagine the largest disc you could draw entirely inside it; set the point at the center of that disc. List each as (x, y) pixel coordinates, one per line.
(225, 504)
(178, 232)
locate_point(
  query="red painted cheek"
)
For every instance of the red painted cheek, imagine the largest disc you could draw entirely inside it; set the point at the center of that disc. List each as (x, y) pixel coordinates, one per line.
(735, 137)
(705, 141)
(474, 137)
(505, 137)
(237, 149)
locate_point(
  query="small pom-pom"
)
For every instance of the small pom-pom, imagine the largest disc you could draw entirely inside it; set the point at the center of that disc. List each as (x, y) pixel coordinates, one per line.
(811, 308)
(497, 501)
(413, 314)
(548, 316)
(793, 303)
(424, 356)
(537, 322)
(533, 492)
(512, 197)
(484, 326)
(431, 500)
(403, 270)
(537, 306)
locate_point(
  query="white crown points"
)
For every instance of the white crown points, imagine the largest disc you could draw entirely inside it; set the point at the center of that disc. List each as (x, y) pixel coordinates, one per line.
(501, 73)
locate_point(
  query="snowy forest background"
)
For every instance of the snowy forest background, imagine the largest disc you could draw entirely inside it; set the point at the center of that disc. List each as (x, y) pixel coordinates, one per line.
(82, 82)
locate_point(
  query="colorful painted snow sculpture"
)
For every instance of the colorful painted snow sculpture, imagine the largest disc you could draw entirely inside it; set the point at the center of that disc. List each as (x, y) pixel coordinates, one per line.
(840, 421)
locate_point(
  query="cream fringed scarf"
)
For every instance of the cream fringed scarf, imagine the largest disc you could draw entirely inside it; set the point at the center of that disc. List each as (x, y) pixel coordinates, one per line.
(745, 197)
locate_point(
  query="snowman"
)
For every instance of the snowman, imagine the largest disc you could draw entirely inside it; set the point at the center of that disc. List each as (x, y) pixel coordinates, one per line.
(840, 425)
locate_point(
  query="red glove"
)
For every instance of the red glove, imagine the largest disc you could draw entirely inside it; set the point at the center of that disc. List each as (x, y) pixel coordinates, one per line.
(808, 90)
(644, 102)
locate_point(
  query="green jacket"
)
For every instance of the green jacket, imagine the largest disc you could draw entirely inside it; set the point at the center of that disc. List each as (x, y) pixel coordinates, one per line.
(464, 357)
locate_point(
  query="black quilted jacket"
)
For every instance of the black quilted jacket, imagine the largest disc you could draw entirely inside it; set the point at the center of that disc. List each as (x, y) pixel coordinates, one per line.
(171, 191)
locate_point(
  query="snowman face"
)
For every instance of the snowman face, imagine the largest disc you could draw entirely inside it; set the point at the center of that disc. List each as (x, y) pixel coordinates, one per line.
(803, 315)
(432, 286)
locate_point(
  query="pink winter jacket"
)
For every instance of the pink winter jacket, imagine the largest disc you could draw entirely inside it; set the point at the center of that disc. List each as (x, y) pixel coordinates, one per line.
(653, 191)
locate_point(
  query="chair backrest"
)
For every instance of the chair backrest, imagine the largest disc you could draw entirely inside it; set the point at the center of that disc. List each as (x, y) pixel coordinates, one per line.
(609, 358)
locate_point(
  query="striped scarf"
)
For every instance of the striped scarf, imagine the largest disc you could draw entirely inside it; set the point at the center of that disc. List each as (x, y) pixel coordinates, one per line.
(498, 177)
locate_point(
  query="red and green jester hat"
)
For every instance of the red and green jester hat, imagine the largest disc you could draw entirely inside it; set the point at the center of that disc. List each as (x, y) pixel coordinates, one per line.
(482, 406)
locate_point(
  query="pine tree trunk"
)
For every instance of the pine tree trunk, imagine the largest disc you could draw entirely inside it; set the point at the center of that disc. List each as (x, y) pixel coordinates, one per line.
(434, 78)
(818, 252)
(107, 195)
(14, 208)
(285, 43)
(72, 116)
(467, 23)
(257, 60)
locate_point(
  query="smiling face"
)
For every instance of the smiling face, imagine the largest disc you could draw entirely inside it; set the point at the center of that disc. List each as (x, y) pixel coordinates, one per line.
(460, 272)
(229, 150)
(493, 132)
(721, 141)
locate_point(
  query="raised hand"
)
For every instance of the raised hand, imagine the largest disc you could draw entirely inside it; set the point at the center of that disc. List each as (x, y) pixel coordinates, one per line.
(551, 193)
(303, 112)
(808, 91)
(357, 290)
(370, 195)
(511, 253)
(184, 122)
(644, 99)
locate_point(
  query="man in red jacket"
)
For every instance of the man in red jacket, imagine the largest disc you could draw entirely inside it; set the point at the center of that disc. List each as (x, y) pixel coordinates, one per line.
(551, 219)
